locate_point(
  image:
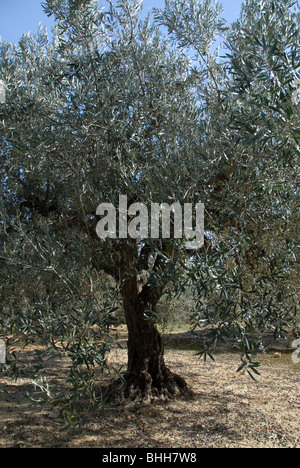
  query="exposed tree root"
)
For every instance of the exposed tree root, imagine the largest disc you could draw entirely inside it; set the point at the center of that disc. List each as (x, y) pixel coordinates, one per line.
(142, 387)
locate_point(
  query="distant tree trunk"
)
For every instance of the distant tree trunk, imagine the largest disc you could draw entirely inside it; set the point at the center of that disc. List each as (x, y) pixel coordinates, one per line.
(147, 375)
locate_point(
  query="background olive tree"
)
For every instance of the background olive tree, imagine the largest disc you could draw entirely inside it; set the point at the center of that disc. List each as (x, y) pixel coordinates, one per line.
(112, 105)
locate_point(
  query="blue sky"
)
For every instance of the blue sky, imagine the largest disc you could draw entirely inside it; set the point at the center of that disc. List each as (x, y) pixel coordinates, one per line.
(20, 16)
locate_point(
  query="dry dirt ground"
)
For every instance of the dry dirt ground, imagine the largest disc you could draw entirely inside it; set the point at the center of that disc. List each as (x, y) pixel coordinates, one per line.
(229, 410)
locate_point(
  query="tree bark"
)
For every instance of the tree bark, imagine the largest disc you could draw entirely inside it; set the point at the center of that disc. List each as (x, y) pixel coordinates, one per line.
(147, 375)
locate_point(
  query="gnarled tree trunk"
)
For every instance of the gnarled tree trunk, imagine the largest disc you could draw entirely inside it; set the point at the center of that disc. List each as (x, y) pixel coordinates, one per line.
(147, 375)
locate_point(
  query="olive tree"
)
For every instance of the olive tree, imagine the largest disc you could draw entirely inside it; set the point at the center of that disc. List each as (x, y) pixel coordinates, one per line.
(113, 105)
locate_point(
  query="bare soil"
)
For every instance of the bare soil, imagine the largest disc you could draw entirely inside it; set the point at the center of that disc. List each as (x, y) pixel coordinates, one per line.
(229, 409)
